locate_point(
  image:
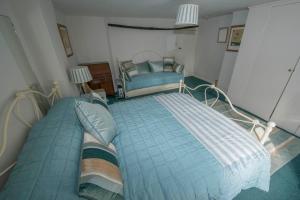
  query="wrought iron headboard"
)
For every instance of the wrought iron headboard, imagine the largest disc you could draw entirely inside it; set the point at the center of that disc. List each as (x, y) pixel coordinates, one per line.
(14, 108)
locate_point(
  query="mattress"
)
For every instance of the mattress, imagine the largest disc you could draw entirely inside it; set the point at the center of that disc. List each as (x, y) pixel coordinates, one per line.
(160, 157)
(152, 79)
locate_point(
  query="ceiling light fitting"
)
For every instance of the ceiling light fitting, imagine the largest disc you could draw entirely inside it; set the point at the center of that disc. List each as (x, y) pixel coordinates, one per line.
(187, 15)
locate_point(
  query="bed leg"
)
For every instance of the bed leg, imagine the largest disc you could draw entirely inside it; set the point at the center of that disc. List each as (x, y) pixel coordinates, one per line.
(56, 87)
(180, 86)
(268, 130)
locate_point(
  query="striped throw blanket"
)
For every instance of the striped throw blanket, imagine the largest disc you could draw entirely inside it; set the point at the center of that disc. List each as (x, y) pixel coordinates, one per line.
(230, 144)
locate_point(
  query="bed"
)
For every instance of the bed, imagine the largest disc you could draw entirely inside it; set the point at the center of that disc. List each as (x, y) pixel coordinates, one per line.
(162, 157)
(169, 146)
(147, 82)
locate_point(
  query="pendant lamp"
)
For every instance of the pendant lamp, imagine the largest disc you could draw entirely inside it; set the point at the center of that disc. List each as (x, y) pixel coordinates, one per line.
(187, 15)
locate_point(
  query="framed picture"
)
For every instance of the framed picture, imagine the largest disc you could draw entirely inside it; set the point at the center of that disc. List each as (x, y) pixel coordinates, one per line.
(65, 39)
(235, 37)
(222, 36)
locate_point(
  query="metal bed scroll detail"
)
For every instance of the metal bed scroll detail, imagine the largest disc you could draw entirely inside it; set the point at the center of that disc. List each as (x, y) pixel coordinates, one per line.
(261, 131)
(14, 108)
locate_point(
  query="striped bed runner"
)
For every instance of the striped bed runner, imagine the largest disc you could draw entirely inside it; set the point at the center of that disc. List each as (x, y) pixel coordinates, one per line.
(229, 143)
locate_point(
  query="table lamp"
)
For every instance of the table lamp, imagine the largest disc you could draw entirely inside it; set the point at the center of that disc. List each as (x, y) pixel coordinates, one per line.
(80, 75)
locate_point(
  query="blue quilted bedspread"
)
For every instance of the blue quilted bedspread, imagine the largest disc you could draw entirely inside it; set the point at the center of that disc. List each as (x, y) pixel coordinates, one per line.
(160, 160)
(47, 167)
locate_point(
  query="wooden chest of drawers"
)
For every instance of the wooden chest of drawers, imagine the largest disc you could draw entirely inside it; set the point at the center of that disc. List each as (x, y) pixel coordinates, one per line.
(102, 78)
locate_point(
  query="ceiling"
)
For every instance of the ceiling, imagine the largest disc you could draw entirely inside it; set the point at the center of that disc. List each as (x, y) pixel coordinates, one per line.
(150, 8)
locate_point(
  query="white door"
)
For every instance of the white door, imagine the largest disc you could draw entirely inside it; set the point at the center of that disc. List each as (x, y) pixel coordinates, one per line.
(278, 51)
(287, 112)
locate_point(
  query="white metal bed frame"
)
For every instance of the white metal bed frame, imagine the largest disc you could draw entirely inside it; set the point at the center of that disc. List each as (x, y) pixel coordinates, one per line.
(261, 131)
(14, 108)
(149, 90)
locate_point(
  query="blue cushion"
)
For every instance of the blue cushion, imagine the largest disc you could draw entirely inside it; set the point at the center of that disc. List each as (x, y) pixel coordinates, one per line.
(96, 120)
(97, 99)
(156, 66)
(143, 67)
(153, 79)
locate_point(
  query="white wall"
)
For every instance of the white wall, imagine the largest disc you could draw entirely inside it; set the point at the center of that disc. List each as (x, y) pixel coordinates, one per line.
(15, 75)
(209, 53)
(35, 25)
(61, 19)
(35, 22)
(269, 49)
(93, 41)
(239, 18)
(125, 43)
(88, 37)
(186, 42)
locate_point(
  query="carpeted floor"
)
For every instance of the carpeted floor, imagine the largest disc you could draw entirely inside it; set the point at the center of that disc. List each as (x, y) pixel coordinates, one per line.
(284, 148)
(285, 185)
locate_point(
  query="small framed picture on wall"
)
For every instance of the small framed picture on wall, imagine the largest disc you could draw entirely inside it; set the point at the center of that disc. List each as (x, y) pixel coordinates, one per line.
(222, 36)
(63, 31)
(235, 37)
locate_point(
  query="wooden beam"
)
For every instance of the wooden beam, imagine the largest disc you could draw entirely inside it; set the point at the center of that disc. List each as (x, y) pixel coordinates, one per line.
(151, 28)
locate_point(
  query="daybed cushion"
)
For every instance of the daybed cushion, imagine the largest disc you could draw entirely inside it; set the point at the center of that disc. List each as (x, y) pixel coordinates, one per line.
(178, 68)
(156, 66)
(96, 120)
(126, 76)
(143, 67)
(130, 68)
(153, 79)
(100, 177)
(168, 64)
(47, 167)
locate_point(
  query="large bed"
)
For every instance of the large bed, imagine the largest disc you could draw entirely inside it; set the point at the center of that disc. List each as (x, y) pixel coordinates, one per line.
(173, 147)
(169, 146)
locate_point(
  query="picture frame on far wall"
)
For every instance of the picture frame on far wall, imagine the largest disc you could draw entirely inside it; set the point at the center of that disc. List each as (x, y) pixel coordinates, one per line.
(235, 38)
(63, 32)
(222, 35)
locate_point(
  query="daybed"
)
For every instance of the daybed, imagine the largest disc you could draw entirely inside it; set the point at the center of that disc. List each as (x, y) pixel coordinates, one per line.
(150, 76)
(169, 146)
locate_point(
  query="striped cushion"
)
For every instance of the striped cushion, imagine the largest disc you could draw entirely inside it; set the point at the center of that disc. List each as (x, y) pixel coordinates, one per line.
(100, 177)
(168, 63)
(178, 68)
(130, 68)
(126, 76)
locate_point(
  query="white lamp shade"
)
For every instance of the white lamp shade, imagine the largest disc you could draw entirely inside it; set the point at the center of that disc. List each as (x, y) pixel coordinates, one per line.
(187, 15)
(80, 74)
